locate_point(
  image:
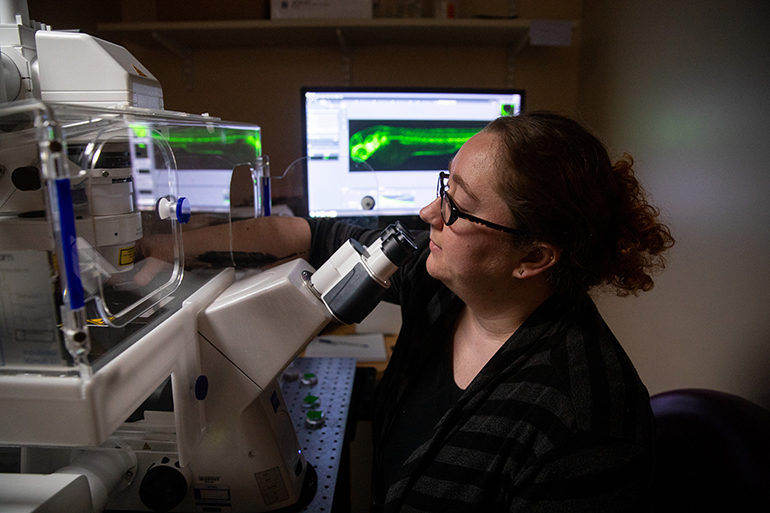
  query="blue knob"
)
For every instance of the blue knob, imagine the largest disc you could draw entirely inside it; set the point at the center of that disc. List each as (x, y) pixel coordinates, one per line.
(201, 387)
(183, 210)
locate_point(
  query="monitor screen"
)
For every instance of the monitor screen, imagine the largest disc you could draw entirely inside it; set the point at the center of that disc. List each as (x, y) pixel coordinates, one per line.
(377, 152)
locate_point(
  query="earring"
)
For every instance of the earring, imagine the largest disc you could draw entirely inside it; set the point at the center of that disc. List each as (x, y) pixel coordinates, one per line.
(521, 272)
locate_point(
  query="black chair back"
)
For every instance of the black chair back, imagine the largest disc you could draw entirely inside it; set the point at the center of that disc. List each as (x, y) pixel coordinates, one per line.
(713, 452)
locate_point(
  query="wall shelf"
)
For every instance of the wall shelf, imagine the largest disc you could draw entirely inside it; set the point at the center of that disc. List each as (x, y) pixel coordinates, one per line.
(185, 37)
(327, 32)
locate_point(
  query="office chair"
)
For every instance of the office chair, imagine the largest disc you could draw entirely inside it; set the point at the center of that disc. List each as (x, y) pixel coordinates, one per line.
(713, 452)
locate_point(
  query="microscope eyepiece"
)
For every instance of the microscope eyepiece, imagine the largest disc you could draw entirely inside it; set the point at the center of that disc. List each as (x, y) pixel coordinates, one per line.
(397, 244)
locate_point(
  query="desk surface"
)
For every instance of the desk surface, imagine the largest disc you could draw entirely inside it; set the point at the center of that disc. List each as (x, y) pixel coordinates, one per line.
(390, 342)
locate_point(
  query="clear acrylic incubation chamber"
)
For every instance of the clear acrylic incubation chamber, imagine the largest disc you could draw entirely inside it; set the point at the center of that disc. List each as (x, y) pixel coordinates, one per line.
(81, 191)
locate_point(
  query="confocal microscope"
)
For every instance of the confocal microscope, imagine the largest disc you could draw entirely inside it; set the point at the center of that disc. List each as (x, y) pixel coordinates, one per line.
(90, 164)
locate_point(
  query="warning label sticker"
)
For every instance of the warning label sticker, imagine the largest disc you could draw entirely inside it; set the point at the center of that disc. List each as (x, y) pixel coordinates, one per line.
(127, 256)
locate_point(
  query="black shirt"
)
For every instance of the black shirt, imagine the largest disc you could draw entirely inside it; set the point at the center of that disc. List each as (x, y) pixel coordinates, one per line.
(426, 401)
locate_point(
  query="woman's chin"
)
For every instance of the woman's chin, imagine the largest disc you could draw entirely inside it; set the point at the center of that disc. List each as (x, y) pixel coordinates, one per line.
(432, 267)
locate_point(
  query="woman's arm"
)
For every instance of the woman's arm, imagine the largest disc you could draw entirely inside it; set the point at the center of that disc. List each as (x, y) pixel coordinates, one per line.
(256, 242)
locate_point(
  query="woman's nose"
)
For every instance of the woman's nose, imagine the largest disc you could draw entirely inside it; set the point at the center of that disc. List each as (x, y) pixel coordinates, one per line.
(431, 213)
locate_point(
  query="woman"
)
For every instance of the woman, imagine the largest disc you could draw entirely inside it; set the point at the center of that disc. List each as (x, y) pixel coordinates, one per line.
(506, 390)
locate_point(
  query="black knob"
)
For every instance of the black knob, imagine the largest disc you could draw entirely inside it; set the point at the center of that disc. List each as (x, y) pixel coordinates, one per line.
(26, 178)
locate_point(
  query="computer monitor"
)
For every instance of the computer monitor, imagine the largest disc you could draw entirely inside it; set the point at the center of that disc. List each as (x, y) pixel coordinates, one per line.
(378, 151)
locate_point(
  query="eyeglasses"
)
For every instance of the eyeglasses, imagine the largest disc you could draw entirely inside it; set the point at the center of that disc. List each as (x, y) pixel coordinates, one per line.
(450, 212)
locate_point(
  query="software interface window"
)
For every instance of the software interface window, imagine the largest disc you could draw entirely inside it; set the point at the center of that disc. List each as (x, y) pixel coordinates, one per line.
(379, 152)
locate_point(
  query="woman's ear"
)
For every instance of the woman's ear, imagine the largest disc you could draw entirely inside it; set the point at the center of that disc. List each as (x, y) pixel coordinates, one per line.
(541, 257)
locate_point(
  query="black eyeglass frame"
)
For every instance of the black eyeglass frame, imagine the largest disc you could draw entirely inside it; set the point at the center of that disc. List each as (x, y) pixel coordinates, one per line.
(455, 213)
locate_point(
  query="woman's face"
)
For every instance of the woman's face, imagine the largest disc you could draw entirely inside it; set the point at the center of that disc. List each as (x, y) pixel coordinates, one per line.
(467, 254)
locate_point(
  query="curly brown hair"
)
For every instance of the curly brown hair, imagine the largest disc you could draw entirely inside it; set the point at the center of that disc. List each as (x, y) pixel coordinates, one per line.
(562, 188)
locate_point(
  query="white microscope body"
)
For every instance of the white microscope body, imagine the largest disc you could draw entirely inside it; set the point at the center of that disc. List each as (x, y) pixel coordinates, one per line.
(246, 336)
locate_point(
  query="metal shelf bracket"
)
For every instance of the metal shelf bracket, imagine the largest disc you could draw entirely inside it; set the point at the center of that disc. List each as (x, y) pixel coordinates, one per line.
(346, 64)
(183, 53)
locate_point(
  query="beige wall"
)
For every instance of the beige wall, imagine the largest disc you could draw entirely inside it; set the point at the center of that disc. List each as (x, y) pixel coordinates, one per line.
(685, 88)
